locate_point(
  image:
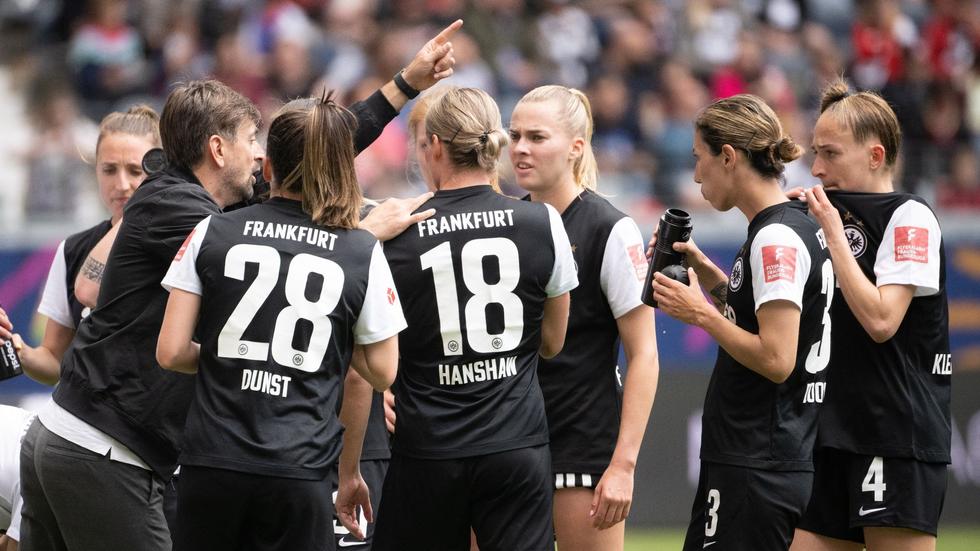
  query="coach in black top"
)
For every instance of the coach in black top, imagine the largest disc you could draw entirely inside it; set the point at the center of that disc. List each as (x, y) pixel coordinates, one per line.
(485, 288)
(773, 329)
(884, 439)
(111, 390)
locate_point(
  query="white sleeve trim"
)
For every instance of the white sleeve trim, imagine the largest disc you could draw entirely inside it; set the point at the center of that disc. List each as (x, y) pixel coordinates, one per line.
(564, 274)
(54, 300)
(381, 314)
(915, 259)
(624, 267)
(780, 265)
(183, 270)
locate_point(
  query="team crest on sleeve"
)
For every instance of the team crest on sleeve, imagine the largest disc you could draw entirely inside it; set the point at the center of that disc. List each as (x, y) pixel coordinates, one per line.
(911, 244)
(735, 280)
(639, 261)
(856, 239)
(391, 295)
(779, 262)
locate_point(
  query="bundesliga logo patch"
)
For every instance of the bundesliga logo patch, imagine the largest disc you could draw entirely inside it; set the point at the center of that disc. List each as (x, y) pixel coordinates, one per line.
(391, 295)
(911, 244)
(639, 261)
(779, 262)
(183, 247)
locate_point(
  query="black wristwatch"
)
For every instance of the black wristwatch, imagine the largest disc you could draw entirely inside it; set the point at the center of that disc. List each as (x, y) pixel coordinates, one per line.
(404, 86)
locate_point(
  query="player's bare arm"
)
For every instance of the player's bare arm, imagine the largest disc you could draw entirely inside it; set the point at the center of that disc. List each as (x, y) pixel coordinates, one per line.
(614, 493)
(352, 491)
(176, 350)
(771, 353)
(89, 278)
(554, 324)
(879, 310)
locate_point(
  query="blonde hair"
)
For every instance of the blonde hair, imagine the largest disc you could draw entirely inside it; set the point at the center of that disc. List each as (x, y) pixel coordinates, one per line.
(575, 116)
(866, 115)
(467, 121)
(139, 120)
(747, 123)
(311, 150)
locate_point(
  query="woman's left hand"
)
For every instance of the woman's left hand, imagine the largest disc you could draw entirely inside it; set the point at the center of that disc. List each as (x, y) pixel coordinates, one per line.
(613, 497)
(682, 302)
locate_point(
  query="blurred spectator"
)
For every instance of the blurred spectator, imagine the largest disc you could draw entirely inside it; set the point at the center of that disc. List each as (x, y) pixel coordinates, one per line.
(106, 57)
(59, 182)
(881, 35)
(961, 190)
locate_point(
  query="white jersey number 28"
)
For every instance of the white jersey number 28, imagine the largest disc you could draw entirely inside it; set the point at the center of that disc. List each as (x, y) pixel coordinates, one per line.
(230, 342)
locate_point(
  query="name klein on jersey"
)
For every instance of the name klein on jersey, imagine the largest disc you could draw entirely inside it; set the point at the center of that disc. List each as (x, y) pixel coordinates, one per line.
(292, 232)
(466, 221)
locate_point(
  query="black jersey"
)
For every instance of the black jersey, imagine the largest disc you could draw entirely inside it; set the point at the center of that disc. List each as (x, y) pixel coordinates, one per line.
(582, 385)
(282, 303)
(58, 302)
(474, 279)
(892, 399)
(749, 420)
(377, 441)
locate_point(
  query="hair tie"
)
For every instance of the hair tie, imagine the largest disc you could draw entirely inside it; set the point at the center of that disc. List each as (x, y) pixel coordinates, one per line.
(484, 137)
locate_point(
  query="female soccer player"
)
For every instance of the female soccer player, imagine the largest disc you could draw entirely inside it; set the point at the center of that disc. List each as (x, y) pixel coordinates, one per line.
(123, 140)
(879, 482)
(489, 278)
(596, 422)
(770, 319)
(279, 294)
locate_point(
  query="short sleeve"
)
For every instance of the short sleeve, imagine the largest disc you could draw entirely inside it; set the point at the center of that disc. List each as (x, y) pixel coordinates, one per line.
(54, 299)
(909, 251)
(381, 314)
(780, 265)
(183, 269)
(624, 267)
(564, 276)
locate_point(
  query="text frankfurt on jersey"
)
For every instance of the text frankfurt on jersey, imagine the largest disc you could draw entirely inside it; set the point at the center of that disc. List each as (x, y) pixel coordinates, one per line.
(290, 232)
(466, 221)
(490, 369)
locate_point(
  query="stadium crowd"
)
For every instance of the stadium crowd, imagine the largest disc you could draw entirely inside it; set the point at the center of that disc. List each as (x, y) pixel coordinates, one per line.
(648, 66)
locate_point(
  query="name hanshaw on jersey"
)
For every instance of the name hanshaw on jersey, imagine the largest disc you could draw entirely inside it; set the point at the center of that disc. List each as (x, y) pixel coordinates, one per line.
(479, 371)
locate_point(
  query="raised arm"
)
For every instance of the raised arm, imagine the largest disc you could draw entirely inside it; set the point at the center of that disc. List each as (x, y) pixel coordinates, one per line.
(879, 310)
(431, 64)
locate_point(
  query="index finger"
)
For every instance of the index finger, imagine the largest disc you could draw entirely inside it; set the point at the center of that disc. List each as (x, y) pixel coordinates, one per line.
(448, 32)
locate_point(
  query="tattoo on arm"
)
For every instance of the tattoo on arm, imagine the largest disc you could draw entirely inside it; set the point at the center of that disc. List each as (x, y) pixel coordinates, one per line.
(719, 295)
(92, 269)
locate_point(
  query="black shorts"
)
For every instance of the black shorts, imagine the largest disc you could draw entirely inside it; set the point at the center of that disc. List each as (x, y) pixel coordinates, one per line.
(373, 471)
(430, 505)
(853, 491)
(219, 509)
(740, 508)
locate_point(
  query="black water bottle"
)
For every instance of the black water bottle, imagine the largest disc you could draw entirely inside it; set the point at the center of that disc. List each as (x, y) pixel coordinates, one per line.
(9, 361)
(675, 225)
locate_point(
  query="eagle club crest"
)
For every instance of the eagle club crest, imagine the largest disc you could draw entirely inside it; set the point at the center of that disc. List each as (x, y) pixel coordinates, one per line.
(736, 278)
(856, 239)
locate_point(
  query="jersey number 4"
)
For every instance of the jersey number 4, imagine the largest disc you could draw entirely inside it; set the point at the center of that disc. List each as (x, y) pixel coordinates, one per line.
(230, 342)
(440, 261)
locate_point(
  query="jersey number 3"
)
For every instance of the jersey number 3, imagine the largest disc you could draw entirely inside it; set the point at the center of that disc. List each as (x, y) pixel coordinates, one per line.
(440, 261)
(230, 342)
